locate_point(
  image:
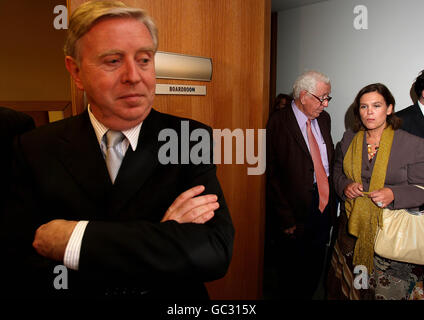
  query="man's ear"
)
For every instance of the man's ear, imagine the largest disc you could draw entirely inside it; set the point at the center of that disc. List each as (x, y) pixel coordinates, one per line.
(74, 70)
(302, 95)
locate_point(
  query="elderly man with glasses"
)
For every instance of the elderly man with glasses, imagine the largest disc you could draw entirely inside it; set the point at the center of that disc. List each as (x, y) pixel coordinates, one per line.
(301, 200)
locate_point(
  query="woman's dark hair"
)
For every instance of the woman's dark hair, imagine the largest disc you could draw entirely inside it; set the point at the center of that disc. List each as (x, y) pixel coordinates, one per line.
(392, 119)
(419, 85)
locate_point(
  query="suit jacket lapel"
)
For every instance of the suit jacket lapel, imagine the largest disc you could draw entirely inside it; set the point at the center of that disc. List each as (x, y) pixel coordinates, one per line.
(137, 165)
(419, 119)
(326, 134)
(295, 131)
(82, 157)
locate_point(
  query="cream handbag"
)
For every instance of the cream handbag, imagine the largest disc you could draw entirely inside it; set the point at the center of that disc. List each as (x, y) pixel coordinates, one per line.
(402, 236)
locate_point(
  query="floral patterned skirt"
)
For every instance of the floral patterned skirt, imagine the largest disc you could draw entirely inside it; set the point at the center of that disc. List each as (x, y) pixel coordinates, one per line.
(390, 280)
(394, 280)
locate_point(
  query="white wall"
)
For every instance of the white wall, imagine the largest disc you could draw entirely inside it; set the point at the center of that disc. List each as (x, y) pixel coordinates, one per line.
(322, 37)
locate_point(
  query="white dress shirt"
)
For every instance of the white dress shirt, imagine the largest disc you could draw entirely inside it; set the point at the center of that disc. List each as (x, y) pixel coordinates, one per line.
(421, 106)
(73, 248)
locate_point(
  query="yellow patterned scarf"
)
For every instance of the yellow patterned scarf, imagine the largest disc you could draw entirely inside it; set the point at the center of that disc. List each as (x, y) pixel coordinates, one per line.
(364, 216)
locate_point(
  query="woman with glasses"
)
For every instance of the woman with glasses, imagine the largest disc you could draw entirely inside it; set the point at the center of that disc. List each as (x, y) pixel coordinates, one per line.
(377, 165)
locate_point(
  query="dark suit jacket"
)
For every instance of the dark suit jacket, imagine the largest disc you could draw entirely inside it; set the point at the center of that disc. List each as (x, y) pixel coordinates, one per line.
(290, 171)
(412, 120)
(60, 173)
(12, 123)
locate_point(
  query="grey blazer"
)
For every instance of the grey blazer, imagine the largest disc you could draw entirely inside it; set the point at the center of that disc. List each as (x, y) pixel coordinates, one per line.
(404, 171)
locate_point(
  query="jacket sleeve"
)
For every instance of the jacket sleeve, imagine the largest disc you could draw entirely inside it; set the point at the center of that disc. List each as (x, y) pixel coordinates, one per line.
(407, 194)
(276, 196)
(19, 221)
(339, 178)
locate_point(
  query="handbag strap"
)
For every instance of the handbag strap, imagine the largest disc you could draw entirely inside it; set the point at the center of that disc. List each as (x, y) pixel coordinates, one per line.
(422, 211)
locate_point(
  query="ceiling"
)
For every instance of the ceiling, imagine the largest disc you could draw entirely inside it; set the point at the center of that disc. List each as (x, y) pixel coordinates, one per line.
(280, 5)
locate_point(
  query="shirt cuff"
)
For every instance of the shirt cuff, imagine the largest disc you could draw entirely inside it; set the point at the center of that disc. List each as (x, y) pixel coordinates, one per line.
(72, 251)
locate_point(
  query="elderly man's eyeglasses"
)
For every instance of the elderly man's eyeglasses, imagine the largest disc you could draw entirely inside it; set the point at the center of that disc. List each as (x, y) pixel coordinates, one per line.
(328, 98)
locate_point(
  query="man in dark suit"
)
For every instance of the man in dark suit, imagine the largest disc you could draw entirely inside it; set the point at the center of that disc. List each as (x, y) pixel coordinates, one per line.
(94, 190)
(300, 191)
(413, 116)
(12, 123)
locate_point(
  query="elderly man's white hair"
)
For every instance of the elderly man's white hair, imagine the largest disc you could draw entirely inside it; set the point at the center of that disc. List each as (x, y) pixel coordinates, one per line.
(308, 81)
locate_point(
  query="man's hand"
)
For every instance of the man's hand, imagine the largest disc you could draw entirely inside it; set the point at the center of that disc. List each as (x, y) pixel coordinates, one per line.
(189, 208)
(52, 238)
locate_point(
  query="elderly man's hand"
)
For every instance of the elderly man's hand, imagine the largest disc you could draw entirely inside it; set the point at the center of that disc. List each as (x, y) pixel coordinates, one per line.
(52, 238)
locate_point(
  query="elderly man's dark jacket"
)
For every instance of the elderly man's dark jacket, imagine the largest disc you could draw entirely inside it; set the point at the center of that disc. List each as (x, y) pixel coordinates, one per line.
(60, 173)
(290, 171)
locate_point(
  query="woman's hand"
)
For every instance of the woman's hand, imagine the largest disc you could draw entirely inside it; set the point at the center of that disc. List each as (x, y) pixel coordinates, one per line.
(382, 197)
(353, 190)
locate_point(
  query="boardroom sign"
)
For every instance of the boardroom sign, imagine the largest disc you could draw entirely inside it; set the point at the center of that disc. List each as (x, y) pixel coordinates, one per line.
(180, 89)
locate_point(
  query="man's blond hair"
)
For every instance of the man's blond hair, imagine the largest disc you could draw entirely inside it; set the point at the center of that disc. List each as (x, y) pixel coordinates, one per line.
(91, 12)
